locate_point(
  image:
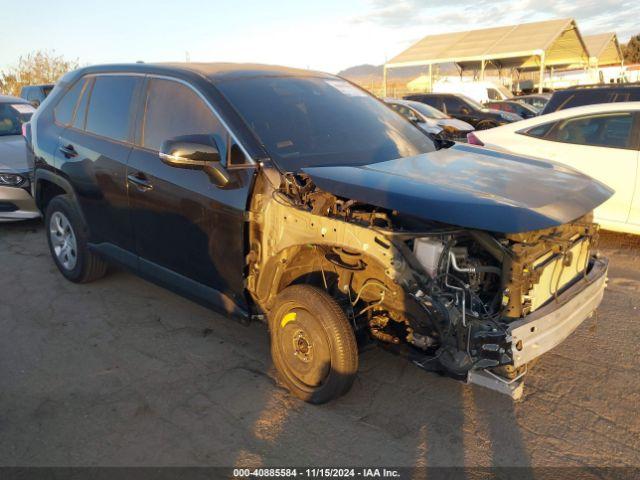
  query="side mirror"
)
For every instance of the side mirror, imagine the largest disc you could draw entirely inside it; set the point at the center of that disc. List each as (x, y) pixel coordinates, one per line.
(196, 152)
(415, 119)
(190, 151)
(465, 111)
(35, 103)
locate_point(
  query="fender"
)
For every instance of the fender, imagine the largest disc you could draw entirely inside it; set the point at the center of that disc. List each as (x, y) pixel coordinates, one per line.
(57, 179)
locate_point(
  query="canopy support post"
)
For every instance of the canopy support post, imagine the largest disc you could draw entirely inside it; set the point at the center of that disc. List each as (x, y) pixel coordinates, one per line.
(482, 65)
(384, 81)
(430, 77)
(540, 84)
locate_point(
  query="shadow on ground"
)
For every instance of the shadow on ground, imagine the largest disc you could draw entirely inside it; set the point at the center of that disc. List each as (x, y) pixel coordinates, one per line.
(121, 372)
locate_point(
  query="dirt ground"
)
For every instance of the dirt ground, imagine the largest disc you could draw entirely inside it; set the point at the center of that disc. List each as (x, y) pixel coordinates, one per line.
(121, 372)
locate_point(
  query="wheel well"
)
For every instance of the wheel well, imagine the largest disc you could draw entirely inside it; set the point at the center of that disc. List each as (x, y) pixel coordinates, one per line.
(309, 264)
(46, 191)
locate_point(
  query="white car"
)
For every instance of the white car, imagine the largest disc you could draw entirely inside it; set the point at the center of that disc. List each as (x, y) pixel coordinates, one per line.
(600, 140)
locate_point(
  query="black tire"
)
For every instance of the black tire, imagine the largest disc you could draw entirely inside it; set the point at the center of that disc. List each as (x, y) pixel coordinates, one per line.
(87, 266)
(313, 346)
(485, 125)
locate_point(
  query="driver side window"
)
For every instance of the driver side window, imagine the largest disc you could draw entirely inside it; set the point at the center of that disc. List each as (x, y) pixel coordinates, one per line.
(173, 110)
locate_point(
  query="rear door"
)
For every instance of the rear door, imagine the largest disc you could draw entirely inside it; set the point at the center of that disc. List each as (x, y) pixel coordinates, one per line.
(602, 145)
(93, 153)
(187, 228)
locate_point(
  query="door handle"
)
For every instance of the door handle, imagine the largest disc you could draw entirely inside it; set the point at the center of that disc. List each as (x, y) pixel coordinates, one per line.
(69, 151)
(140, 181)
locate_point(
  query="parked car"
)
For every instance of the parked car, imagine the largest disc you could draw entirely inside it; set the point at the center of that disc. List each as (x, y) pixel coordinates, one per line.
(465, 109)
(482, 92)
(592, 94)
(298, 198)
(537, 101)
(521, 109)
(425, 115)
(35, 94)
(602, 141)
(16, 202)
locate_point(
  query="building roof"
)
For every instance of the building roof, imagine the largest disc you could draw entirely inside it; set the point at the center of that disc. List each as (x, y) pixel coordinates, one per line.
(514, 46)
(604, 48)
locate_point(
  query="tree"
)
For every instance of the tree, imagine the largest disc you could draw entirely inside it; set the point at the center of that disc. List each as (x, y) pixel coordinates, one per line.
(35, 68)
(631, 50)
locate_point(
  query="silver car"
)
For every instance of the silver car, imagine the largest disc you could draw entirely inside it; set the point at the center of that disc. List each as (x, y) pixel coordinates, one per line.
(429, 119)
(16, 202)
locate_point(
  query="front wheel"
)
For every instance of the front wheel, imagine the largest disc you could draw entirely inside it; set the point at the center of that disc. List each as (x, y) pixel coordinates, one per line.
(312, 344)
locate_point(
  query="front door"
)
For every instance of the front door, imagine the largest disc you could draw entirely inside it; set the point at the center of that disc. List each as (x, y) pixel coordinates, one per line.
(184, 224)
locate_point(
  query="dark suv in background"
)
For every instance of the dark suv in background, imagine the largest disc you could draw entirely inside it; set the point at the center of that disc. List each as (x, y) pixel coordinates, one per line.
(592, 94)
(465, 109)
(35, 94)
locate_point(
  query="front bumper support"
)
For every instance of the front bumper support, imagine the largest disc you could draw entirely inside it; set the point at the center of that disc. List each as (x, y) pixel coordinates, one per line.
(551, 324)
(547, 327)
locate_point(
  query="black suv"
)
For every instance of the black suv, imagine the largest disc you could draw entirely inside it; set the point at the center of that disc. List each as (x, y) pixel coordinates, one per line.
(592, 94)
(298, 198)
(35, 94)
(465, 109)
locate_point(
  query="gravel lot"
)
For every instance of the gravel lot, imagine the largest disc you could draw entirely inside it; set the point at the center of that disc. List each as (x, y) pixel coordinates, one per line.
(121, 372)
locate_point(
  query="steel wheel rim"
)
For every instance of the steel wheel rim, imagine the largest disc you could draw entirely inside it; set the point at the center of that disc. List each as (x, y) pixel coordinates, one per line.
(63, 240)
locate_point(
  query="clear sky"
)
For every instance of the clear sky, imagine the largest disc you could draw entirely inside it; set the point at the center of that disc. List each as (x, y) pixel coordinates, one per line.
(324, 35)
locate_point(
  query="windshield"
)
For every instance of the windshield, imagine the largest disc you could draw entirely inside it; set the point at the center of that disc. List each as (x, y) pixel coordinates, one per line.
(427, 110)
(305, 121)
(12, 116)
(504, 90)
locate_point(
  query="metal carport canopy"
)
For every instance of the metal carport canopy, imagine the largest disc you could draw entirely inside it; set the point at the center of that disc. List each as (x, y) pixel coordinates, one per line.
(524, 46)
(604, 49)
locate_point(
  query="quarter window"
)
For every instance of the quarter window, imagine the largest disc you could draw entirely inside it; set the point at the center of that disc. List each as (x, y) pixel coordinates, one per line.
(109, 112)
(81, 109)
(540, 131)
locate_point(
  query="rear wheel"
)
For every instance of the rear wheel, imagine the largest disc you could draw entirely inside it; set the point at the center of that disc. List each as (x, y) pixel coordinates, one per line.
(312, 344)
(67, 237)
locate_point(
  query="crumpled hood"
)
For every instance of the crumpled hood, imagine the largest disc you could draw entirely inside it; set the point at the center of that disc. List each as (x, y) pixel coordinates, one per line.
(471, 187)
(13, 154)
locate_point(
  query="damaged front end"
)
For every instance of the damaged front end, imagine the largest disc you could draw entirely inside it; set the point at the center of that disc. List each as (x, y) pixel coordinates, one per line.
(474, 304)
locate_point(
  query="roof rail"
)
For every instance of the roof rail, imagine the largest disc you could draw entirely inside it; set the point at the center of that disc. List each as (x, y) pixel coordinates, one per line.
(603, 85)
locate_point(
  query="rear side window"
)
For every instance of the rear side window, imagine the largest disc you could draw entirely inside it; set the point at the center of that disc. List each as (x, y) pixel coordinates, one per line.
(603, 130)
(453, 105)
(63, 113)
(109, 112)
(174, 110)
(611, 130)
(433, 101)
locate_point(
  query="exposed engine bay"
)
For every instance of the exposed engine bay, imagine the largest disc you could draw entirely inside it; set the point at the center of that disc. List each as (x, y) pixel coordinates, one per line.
(447, 294)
